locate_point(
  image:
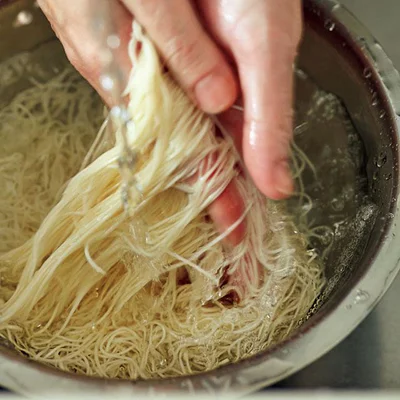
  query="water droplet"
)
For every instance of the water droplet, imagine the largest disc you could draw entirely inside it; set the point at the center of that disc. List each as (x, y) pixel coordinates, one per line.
(374, 99)
(122, 368)
(382, 114)
(94, 327)
(23, 18)
(38, 325)
(375, 176)
(367, 73)
(361, 296)
(381, 160)
(363, 42)
(96, 292)
(113, 41)
(387, 177)
(329, 25)
(390, 215)
(107, 82)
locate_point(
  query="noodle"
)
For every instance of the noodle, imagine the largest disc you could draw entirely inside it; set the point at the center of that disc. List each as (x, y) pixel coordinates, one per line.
(143, 291)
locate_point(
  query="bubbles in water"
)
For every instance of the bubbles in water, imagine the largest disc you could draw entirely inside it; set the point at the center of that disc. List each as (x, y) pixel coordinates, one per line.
(380, 161)
(387, 177)
(23, 18)
(326, 236)
(368, 211)
(337, 204)
(329, 25)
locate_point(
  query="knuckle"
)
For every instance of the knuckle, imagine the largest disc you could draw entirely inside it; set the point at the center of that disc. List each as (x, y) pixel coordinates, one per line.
(185, 57)
(181, 53)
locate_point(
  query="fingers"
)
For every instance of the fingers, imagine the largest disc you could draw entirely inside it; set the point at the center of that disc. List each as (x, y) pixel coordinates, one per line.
(227, 210)
(196, 62)
(264, 46)
(203, 72)
(191, 55)
(72, 22)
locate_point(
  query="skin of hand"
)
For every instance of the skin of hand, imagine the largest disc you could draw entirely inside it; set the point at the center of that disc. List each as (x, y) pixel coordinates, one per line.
(218, 51)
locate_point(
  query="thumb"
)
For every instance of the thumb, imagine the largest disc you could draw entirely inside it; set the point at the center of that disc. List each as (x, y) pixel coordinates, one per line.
(265, 49)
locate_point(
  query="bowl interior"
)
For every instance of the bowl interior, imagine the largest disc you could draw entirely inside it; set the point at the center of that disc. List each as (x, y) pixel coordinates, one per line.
(343, 123)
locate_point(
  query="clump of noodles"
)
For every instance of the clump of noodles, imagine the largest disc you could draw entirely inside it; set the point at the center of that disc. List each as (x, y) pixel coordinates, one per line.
(102, 290)
(45, 132)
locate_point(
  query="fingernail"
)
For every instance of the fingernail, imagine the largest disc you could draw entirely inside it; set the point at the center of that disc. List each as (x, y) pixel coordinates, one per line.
(284, 181)
(214, 93)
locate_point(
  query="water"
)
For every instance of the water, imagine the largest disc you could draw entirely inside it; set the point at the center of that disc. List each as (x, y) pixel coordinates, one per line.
(381, 160)
(23, 18)
(362, 297)
(329, 25)
(367, 73)
(340, 192)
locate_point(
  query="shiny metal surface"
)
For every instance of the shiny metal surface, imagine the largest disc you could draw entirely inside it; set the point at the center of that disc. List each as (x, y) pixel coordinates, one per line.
(341, 69)
(370, 357)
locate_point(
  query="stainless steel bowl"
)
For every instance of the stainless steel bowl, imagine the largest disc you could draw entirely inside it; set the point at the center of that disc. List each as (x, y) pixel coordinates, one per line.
(357, 155)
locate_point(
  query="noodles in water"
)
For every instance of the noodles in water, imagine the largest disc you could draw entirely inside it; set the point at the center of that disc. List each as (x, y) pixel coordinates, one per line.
(139, 290)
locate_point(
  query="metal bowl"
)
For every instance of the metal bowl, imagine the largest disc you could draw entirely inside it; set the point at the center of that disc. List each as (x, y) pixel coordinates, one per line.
(354, 144)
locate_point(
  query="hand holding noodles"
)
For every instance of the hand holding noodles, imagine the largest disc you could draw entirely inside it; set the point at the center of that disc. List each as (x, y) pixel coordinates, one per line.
(136, 294)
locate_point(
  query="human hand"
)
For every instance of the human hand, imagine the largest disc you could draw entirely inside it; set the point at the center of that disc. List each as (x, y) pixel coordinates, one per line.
(210, 46)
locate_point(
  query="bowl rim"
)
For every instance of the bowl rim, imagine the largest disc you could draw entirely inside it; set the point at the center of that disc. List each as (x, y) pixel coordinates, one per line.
(311, 341)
